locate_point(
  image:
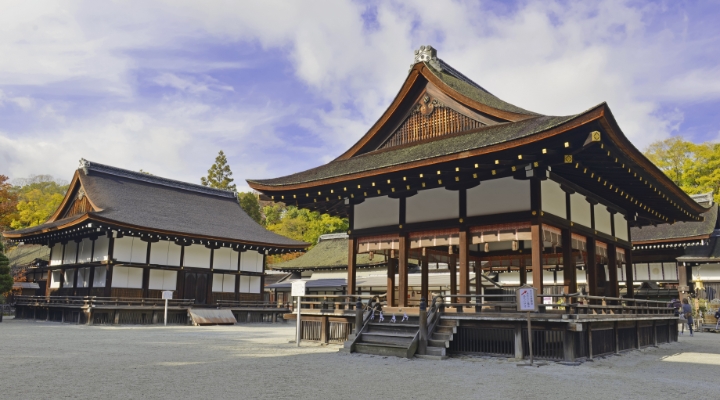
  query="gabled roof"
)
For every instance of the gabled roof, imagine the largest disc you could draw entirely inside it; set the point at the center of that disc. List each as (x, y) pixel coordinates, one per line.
(709, 252)
(136, 200)
(329, 253)
(678, 231)
(489, 139)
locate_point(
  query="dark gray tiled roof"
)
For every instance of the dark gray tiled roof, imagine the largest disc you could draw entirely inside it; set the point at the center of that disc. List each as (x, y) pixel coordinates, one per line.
(451, 144)
(677, 230)
(707, 253)
(463, 85)
(156, 203)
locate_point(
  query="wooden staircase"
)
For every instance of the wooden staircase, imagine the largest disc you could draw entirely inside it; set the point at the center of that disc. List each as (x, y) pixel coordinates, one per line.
(399, 339)
(441, 336)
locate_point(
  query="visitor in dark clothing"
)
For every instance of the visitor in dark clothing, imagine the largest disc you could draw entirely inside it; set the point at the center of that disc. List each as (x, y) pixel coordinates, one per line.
(687, 313)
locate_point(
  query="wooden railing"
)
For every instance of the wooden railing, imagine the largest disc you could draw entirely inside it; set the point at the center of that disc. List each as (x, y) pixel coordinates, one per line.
(252, 304)
(340, 302)
(98, 302)
(574, 303)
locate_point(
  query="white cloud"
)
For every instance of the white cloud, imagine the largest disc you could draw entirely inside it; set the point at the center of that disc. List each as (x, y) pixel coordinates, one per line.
(552, 57)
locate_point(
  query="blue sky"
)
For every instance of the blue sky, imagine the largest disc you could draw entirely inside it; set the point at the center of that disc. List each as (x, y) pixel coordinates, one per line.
(286, 86)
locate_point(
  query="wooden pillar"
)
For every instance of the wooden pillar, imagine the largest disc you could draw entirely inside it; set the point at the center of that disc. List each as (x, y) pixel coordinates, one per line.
(569, 267)
(682, 280)
(109, 266)
(403, 271)
(146, 281)
(75, 280)
(523, 271)
(452, 266)
(464, 266)
(352, 270)
(629, 277)
(237, 286)
(424, 280)
(612, 286)
(591, 267)
(537, 265)
(391, 267)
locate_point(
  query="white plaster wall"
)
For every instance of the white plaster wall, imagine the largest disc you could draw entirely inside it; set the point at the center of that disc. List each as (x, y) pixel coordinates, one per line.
(85, 252)
(498, 196)
(102, 244)
(376, 211)
(57, 250)
(641, 272)
(225, 258)
(602, 219)
(165, 253)
(244, 284)
(621, 227)
(251, 261)
(70, 253)
(670, 270)
(127, 277)
(162, 280)
(197, 256)
(432, 205)
(580, 210)
(130, 249)
(553, 198)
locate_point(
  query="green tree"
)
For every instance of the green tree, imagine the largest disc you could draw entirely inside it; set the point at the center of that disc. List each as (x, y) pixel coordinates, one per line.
(673, 157)
(249, 203)
(6, 280)
(301, 224)
(219, 175)
(38, 198)
(8, 203)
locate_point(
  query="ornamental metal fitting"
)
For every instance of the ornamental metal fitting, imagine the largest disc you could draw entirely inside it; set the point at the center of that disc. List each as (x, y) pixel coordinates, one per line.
(84, 165)
(427, 54)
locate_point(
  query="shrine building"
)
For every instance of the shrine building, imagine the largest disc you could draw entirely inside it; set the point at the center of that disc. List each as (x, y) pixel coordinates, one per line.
(451, 171)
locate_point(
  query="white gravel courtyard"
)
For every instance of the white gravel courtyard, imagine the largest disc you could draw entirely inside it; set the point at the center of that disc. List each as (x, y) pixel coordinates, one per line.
(45, 360)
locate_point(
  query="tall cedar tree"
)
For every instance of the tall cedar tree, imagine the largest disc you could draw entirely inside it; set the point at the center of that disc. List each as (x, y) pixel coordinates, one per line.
(6, 280)
(219, 175)
(8, 203)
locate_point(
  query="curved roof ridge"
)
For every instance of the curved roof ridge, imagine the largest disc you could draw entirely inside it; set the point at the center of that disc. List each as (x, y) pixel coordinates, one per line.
(88, 166)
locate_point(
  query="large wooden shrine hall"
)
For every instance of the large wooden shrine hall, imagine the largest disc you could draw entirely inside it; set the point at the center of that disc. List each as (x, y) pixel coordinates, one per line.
(450, 169)
(120, 234)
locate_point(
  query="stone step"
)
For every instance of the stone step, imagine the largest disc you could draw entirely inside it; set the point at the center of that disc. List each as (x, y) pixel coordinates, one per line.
(388, 340)
(438, 343)
(391, 334)
(448, 337)
(381, 350)
(446, 329)
(436, 351)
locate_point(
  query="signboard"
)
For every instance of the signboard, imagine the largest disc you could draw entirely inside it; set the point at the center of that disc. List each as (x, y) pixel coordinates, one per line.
(298, 288)
(526, 300)
(167, 294)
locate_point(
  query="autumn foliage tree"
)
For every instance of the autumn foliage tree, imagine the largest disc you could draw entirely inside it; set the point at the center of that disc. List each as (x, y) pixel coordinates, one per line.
(8, 202)
(38, 198)
(6, 280)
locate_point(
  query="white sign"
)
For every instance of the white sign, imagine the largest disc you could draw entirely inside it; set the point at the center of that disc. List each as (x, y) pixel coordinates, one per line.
(298, 288)
(526, 299)
(167, 295)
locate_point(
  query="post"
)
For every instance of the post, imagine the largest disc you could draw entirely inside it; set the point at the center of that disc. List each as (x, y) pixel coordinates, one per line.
(352, 270)
(464, 267)
(358, 317)
(166, 307)
(612, 282)
(391, 266)
(403, 271)
(530, 346)
(537, 264)
(591, 267)
(452, 266)
(424, 276)
(569, 268)
(298, 331)
(422, 345)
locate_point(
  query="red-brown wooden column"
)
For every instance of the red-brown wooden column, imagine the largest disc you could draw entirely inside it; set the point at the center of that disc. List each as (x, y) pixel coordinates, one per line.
(591, 267)
(464, 266)
(612, 288)
(537, 264)
(569, 267)
(629, 275)
(352, 270)
(403, 271)
(391, 268)
(424, 279)
(452, 266)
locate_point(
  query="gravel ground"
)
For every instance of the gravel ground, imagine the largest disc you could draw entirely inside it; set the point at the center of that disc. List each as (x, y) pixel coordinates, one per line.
(45, 360)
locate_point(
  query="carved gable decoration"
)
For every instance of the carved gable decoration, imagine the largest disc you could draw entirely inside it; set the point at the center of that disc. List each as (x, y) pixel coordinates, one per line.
(80, 205)
(430, 118)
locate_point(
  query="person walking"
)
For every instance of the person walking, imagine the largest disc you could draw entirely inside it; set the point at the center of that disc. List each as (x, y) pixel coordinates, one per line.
(687, 314)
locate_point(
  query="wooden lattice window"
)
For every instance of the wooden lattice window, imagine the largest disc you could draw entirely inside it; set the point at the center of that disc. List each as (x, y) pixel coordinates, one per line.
(430, 119)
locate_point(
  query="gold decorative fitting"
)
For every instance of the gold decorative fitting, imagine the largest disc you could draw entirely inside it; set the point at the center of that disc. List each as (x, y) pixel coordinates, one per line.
(393, 190)
(572, 224)
(388, 181)
(608, 154)
(542, 213)
(584, 170)
(373, 183)
(319, 193)
(332, 191)
(421, 175)
(592, 175)
(339, 197)
(567, 144)
(365, 194)
(327, 199)
(307, 194)
(602, 146)
(534, 213)
(513, 168)
(344, 189)
(404, 178)
(378, 191)
(616, 159)
(407, 187)
(423, 184)
(493, 172)
(536, 164)
(457, 179)
(439, 172)
(272, 197)
(457, 169)
(461, 220)
(282, 197)
(544, 151)
(294, 197)
(349, 232)
(595, 136)
(519, 156)
(497, 161)
(475, 176)
(400, 226)
(352, 196)
(314, 200)
(568, 159)
(476, 166)
(439, 181)
(577, 165)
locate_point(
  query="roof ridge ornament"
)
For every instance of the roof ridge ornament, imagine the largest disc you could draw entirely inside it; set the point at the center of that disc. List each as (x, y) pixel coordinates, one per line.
(84, 165)
(427, 54)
